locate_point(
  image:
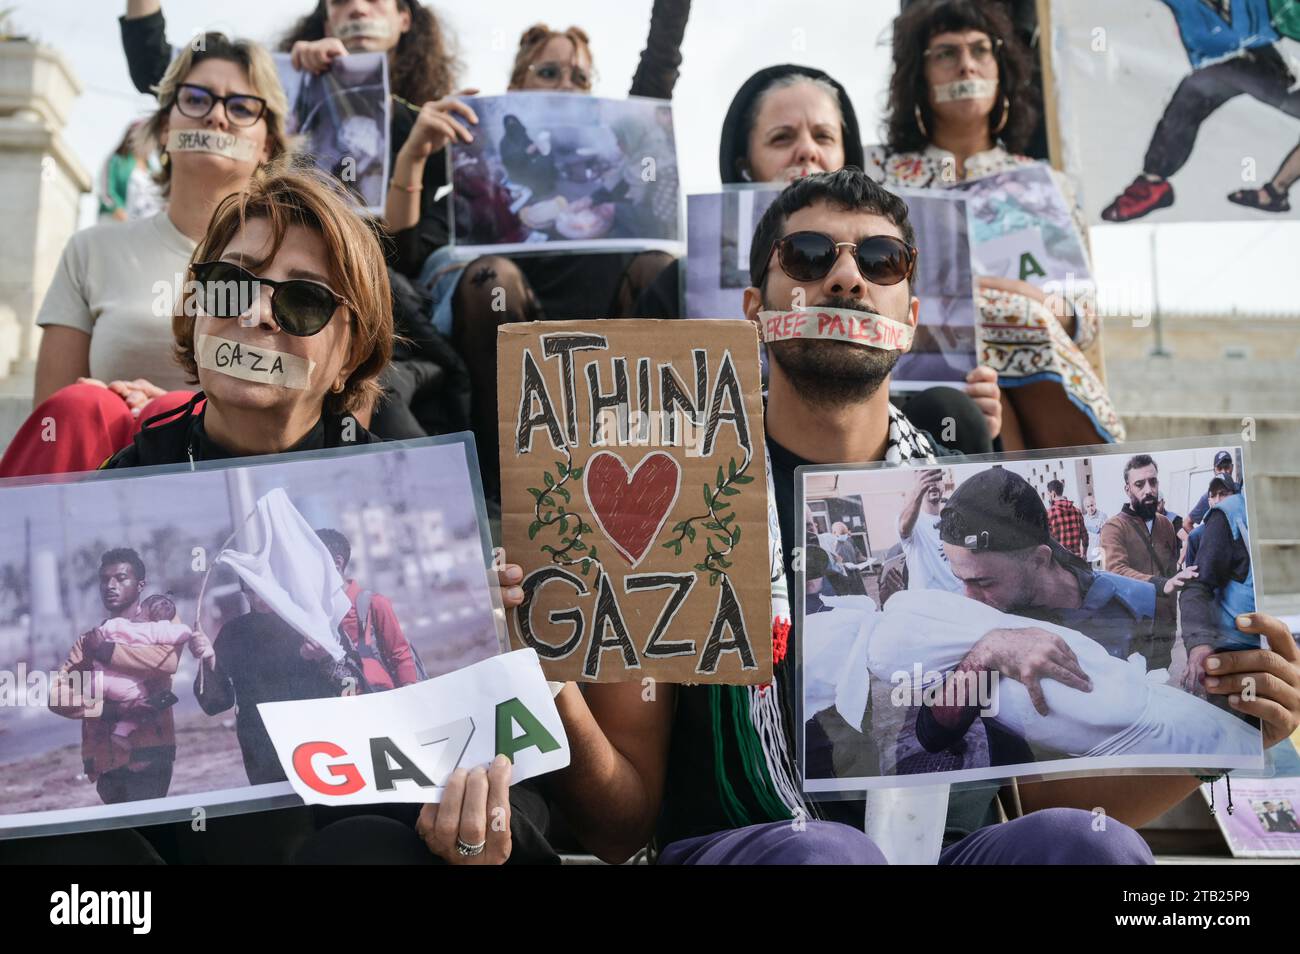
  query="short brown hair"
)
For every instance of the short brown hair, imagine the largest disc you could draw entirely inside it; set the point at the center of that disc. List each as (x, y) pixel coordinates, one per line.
(253, 59)
(534, 40)
(287, 197)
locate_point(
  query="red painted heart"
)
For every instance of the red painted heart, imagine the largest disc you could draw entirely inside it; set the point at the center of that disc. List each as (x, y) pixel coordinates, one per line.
(631, 506)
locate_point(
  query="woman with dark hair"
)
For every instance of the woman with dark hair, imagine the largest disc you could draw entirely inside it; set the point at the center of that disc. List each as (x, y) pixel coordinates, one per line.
(790, 121)
(960, 107)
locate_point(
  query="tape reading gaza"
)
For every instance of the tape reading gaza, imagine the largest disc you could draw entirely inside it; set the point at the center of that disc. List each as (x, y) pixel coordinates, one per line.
(836, 324)
(260, 365)
(375, 29)
(206, 140)
(965, 89)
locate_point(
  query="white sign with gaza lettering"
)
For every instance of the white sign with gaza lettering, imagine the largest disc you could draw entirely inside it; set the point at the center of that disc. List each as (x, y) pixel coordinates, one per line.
(403, 745)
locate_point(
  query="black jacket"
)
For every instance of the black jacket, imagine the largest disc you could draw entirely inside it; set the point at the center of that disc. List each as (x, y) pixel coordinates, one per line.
(178, 436)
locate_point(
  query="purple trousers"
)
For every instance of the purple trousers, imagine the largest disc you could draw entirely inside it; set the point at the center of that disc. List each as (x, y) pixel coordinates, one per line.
(1053, 836)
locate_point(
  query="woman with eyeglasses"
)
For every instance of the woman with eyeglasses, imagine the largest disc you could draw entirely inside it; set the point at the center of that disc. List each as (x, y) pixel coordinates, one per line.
(960, 108)
(790, 121)
(105, 357)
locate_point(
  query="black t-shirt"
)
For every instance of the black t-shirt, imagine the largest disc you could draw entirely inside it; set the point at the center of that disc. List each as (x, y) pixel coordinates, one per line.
(692, 804)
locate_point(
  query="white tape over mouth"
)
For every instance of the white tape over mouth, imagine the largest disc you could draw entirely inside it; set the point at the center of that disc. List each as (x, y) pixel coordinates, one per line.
(209, 140)
(837, 324)
(260, 365)
(374, 29)
(965, 89)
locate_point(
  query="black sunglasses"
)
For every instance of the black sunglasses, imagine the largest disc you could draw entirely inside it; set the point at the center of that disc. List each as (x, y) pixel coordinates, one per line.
(810, 256)
(197, 101)
(301, 307)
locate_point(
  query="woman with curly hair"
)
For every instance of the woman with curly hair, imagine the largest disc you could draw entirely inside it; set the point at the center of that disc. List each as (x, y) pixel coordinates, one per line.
(961, 107)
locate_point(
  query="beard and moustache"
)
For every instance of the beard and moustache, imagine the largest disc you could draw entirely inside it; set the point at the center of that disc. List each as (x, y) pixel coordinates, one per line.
(832, 374)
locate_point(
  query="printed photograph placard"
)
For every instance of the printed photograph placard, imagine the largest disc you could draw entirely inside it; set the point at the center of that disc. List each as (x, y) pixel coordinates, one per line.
(1265, 818)
(634, 476)
(144, 617)
(343, 116)
(1016, 616)
(720, 230)
(556, 171)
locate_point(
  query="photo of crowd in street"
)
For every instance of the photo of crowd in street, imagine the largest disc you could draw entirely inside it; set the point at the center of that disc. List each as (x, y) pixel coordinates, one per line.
(567, 172)
(1030, 616)
(144, 619)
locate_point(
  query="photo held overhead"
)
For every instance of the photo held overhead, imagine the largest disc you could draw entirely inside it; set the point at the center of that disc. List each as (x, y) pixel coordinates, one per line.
(634, 482)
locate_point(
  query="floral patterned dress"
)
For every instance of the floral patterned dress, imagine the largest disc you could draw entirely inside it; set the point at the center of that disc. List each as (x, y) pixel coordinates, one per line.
(1018, 337)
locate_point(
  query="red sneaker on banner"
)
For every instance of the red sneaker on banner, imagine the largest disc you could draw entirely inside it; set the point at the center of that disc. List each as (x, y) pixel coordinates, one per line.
(1140, 198)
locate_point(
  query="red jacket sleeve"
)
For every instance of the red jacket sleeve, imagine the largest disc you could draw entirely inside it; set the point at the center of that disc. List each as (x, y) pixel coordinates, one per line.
(392, 641)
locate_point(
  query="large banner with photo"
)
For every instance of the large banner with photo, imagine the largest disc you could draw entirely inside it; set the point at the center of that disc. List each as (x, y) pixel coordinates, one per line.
(1199, 98)
(552, 171)
(958, 624)
(342, 116)
(145, 617)
(720, 230)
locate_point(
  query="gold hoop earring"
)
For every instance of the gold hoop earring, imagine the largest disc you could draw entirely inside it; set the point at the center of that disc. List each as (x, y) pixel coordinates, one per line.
(920, 123)
(1006, 112)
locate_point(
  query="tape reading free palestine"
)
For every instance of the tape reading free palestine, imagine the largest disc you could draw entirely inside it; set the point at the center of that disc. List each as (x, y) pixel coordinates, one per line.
(261, 365)
(836, 324)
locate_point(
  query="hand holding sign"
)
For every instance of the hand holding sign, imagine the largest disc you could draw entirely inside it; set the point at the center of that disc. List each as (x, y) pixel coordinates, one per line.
(471, 826)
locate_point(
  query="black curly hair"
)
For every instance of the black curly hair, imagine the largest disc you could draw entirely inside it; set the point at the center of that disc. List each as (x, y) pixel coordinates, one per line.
(914, 29)
(424, 64)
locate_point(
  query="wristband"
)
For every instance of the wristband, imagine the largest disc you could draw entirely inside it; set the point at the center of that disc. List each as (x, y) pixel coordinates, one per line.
(409, 189)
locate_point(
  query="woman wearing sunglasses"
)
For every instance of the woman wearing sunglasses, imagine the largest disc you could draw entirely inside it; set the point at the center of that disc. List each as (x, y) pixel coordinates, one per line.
(959, 108)
(105, 358)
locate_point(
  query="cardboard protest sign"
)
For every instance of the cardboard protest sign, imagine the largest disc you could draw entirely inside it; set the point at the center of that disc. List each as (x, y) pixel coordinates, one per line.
(633, 473)
(554, 171)
(344, 115)
(1021, 227)
(995, 618)
(402, 746)
(720, 229)
(218, 588)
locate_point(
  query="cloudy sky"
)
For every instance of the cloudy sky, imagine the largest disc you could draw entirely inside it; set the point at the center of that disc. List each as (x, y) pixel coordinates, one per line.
(725, 42)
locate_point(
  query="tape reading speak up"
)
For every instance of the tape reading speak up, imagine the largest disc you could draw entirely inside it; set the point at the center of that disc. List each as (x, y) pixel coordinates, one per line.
(965, 89)
(260, 365)
(208, 140)
(836, 324)
(375, 29)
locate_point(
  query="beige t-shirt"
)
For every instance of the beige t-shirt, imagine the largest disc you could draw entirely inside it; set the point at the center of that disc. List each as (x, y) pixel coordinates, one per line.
(118, 282)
